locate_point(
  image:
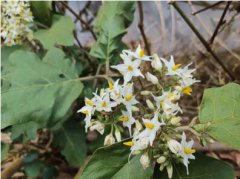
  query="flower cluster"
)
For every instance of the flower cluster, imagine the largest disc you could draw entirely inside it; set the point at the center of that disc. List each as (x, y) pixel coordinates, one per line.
(151, 126)
(15, 20)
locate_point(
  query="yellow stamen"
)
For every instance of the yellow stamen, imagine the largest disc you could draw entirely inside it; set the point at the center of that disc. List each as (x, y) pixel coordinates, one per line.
(110, 85)
(123, 119)
(104, 104)
(141, 53)
(175, 67)
(88, 102)
(162, 104)
(149, 125)
(189, 151)
(187, 90)
(128, 97)
(85, 112)
(129, 143)
(170, 95)
(130, 68)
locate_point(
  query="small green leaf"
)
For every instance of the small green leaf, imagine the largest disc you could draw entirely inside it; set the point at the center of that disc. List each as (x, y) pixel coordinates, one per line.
(71, 138)
(41, 90)
(111, 23)
(112, 162)
(42, 11)
(221, 107)
(60, 33)
(202, 167)
(32, 165)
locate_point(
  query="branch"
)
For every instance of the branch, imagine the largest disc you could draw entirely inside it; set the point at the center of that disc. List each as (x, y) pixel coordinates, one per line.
(208, 7)
(141, 28)
(204, 42)
(80, 19)
(87, 78)
(11, 169)
(219, 23)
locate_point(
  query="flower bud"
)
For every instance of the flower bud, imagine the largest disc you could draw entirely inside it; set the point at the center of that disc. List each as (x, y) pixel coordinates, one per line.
(174, 146)
(153, 79)
(144, 160)
(109, 140)
(170, 171)
(135, 109)
(145, 93)
(118, 135)
(156, 63)
(161, 159)
(150, 104)
(98, 126)
(138, 125)
(175, 120)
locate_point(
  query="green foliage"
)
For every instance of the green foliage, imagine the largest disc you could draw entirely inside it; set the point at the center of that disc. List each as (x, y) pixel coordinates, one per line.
(41, 90)
(42, 11)
(71, 138)
(112, 162)
(221, 107)
(202, 168)
(111, 23)
(60, 33)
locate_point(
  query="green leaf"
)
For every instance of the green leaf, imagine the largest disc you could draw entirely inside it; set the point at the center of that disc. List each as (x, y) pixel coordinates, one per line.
(111, 23)
(221, 107)
(71, 138)
(60, 33)
(112, 162)
(41, 90)
(202, 167)
(32, 165)
(42, 11)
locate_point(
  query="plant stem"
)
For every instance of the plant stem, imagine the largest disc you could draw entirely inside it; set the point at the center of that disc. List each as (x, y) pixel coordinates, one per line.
(208, 7)
(87, 78)
(187, 128)
(11, 169)
(200, 37)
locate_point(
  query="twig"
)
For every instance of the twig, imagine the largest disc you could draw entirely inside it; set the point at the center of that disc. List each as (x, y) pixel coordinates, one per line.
(219, 23)
(87, 78)
(141, 28)
(11, 169)
(208, 7)
(187, 128)
(204, 42)
(80, 19)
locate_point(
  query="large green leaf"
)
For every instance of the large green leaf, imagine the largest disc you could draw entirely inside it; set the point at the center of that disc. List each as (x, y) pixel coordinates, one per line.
(111, 23)
(112, 162)
(42, 11)
(60, 33)
(221, 107)
(71, 138)
(202, 167)
(41, 90)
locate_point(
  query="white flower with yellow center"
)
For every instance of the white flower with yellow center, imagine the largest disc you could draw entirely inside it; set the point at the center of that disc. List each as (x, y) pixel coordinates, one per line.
(138, 54)
(88, 110)
(187, 151)
(115, 91)
(127, 120)
(128, 97)
(103, 102)
(129, 69)
(152, 127)
(137, 144)
(172, 68)
(185, 85)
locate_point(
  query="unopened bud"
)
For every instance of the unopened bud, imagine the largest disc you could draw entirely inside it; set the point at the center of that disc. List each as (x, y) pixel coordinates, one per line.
(153, 79)
(134, 109)
(170, 171)
(161, 159)
(156, 63)
(144, 160)
(109, 140)
(145, 93)
(118, 135)
(150, 104)
(175, 120)
(174, 146)
(138, 125)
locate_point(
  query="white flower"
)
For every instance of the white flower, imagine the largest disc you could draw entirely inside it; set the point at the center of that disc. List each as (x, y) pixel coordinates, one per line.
(98, 126)
(187, 151)
(109, 140)
(174, 146)
(172, 68)
(128, 97)
(152, 127)
(127, 120)
(137, 144)
(138, 54)
(144, 160)
(185, 84)
(169, 108)
(129, 69)
(153, 79)
(115, 91)
(103, 102)
(156, 63)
